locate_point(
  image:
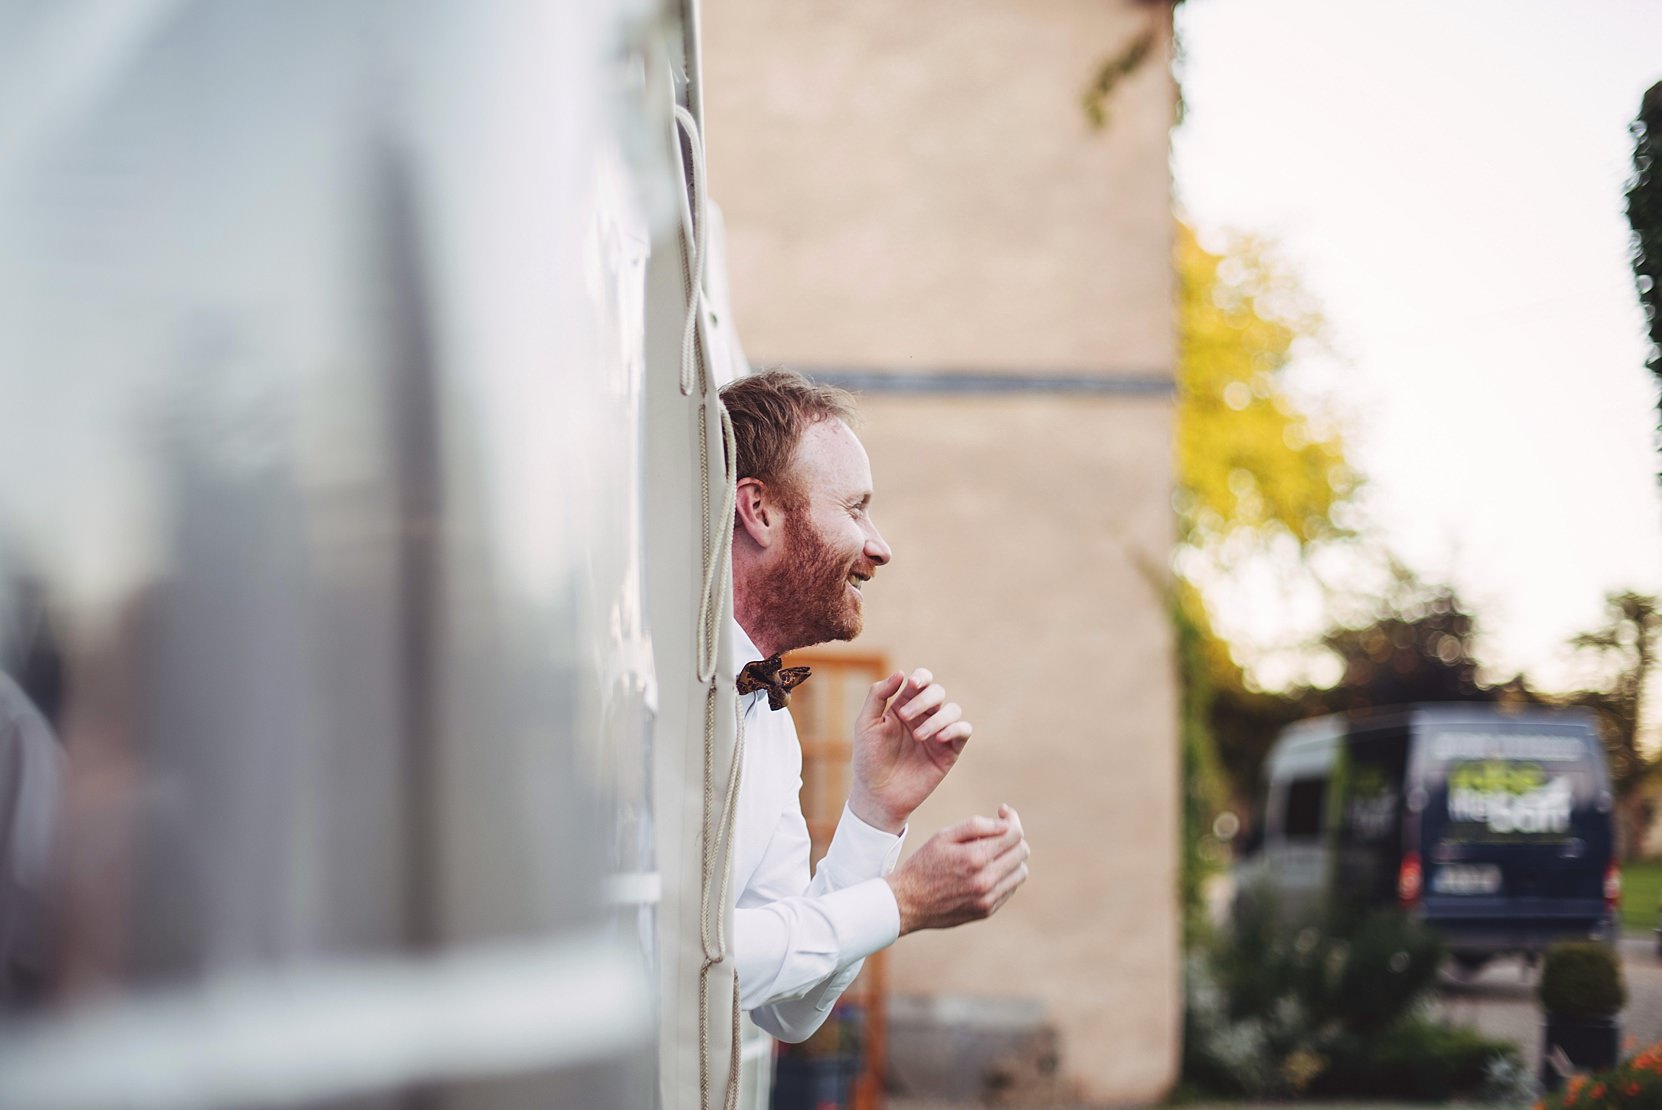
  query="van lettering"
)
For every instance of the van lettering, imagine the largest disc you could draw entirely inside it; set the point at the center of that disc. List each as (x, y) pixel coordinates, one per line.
(1545, 809)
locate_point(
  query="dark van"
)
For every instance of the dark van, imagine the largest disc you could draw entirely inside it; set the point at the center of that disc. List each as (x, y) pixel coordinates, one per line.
(1491, 826)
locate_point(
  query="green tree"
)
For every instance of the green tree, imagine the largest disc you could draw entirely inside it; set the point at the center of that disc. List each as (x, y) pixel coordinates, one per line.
(1420, 646)
(1644, 213)
(1623, 651)
(1418, 643)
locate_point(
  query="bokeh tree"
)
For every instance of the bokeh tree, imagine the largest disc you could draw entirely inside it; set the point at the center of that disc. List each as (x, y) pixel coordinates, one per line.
(1254, 467)
(1250, 457)
(1415, 641)
(1622, 651)
(1644, 213)
(1421, 645)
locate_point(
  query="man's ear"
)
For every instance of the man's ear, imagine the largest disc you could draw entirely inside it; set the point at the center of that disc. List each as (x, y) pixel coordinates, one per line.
(760, 518)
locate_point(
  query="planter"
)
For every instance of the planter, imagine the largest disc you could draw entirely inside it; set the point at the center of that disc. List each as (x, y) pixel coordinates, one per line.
(813, 1082)
(1591, 1044)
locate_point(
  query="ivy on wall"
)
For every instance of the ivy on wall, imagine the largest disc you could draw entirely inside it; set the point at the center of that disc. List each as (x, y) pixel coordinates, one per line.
(1130, 58)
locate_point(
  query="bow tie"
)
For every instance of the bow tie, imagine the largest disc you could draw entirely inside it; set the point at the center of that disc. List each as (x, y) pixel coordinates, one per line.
(767, 674)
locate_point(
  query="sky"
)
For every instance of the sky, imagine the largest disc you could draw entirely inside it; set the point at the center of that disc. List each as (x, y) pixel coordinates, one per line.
(1446, 180)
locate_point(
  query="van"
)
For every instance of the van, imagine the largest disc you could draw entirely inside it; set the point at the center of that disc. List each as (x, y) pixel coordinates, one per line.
(1491, 826)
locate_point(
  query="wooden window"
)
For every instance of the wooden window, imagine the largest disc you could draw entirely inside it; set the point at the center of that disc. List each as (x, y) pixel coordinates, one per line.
(825, 709)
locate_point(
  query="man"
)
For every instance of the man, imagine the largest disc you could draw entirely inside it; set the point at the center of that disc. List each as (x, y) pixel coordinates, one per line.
(804, 544)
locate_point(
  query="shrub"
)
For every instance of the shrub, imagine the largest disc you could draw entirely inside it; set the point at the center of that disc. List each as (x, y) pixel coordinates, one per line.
(1412, 1059)
(1391, 964)
(1280, 1010)
(1362, 979)
(1581, 979)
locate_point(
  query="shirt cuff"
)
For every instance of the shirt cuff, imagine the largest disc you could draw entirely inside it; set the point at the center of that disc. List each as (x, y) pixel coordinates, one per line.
(866, 918)
(860, 851)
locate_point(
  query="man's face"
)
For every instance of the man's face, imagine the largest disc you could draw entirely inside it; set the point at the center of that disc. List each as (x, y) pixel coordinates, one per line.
(831, 547)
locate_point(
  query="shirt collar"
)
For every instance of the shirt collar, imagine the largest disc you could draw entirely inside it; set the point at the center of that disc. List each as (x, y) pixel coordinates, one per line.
(744, 648)
(744, 651)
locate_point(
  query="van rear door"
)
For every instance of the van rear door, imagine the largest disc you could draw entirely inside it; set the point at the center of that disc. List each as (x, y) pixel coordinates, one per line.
(1516, 833)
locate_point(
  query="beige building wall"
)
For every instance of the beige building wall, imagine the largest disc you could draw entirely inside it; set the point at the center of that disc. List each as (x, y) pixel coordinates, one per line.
(913, 188)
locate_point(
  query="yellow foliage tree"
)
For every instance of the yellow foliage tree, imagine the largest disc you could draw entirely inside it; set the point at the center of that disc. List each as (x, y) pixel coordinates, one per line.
(1247, 456)
(1251, 464)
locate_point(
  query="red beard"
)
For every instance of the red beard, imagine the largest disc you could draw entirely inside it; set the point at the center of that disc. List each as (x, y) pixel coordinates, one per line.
(804, 598)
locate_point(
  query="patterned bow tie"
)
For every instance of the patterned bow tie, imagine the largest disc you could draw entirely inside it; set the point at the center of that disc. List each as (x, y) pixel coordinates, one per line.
(767, 674)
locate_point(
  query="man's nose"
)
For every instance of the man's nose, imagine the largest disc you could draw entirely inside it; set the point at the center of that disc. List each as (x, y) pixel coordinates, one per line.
(877, 550)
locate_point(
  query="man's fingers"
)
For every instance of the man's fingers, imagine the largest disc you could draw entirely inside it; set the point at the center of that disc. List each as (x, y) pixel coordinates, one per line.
(974, 828)
(1012, 856)
(994, 846)
(948, 713)
(878, 696)
(955, 734)
(1008, 813)
(1005, 886)
(1009, 840)
(999, 878)
(926, 702)
(914, 684)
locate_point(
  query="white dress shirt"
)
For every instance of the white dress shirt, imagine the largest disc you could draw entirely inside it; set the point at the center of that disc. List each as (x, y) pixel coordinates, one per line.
(799, 943)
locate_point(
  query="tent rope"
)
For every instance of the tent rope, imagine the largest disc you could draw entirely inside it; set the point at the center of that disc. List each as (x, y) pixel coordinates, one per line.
(714, 597)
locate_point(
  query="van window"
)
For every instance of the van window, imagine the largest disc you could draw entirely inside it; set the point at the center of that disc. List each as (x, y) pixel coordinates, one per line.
(1305, 802)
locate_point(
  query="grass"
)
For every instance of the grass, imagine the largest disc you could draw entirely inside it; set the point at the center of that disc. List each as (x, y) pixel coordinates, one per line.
(1641, 890)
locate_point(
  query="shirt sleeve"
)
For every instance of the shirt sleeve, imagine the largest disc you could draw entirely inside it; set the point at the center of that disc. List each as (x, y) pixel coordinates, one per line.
(799, 945)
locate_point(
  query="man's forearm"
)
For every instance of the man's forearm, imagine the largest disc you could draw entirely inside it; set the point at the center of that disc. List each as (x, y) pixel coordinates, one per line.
(797, 952)
(796, 955)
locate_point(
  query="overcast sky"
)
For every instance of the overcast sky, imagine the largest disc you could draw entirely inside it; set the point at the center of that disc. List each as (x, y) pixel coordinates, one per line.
(1446, 178)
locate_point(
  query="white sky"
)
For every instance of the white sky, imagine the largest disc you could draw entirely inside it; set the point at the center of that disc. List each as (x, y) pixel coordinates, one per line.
(1446, 178)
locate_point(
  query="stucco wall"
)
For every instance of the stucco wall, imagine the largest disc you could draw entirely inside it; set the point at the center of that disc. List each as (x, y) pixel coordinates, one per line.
(915, 187)
(917, 183)
(1029, 538)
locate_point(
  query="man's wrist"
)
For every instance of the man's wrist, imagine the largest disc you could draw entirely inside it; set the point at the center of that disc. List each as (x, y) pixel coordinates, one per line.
(902, 902)
(877, 816)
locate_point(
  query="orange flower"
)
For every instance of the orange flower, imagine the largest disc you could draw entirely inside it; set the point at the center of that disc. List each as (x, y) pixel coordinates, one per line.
(1598, 1090)
(1632, 1089)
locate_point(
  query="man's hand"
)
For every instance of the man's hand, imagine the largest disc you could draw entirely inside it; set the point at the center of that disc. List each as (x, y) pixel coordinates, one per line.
(961, 874)
(903, 748)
